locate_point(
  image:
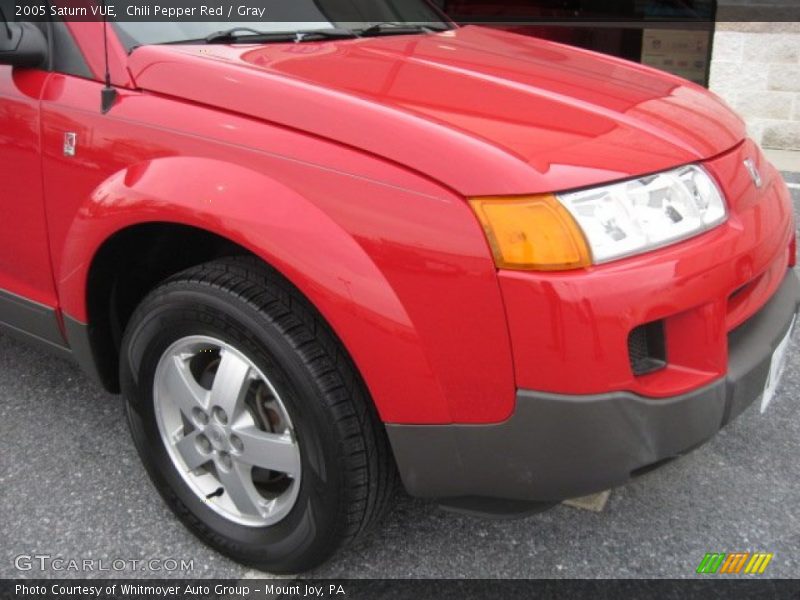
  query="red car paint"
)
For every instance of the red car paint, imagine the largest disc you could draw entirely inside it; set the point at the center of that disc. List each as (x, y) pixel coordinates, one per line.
(346, 166)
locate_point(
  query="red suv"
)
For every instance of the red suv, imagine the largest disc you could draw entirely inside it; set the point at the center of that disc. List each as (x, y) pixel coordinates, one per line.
(313, 255)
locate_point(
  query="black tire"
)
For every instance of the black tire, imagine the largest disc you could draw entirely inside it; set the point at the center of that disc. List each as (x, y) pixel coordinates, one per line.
(348, 470)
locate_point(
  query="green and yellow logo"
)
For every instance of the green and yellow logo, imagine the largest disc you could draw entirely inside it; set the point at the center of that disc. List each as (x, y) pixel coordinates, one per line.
(734, 564)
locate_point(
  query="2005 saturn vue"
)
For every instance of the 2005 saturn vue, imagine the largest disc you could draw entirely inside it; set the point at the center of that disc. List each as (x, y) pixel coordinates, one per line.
(313, 256)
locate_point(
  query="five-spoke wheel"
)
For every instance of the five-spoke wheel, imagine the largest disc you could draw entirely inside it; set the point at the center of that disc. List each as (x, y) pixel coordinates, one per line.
(227, 430)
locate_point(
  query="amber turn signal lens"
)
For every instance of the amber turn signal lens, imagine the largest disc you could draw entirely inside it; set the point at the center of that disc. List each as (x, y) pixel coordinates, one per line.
(533, 233)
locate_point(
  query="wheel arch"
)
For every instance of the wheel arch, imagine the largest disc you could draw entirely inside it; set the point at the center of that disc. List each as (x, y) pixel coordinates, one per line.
(119, 278)
(136, 230)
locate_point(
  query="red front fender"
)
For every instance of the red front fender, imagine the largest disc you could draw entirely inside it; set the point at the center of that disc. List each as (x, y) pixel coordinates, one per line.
(417, 368)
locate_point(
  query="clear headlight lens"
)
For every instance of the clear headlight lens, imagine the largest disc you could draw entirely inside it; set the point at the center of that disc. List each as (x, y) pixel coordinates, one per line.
(637, 216)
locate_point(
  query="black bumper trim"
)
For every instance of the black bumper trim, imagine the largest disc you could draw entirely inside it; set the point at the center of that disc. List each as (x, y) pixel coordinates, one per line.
(556, 447)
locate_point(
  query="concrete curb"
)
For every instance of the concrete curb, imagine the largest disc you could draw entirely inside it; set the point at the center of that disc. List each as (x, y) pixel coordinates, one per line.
(793, 179)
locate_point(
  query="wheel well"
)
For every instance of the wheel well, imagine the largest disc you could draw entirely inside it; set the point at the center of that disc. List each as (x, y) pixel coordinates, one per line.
(127, 267)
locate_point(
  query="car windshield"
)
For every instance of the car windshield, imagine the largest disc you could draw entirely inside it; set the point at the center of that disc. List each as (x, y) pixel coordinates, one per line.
(291, 16)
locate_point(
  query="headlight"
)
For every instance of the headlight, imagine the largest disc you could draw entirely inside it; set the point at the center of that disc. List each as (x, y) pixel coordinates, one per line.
(602, 224)
(636, 216)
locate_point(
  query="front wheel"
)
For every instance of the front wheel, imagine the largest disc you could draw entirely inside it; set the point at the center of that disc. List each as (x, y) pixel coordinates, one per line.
(251, 419)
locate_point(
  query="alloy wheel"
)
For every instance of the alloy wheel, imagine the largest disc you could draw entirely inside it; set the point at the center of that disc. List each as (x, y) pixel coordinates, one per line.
(227, 431)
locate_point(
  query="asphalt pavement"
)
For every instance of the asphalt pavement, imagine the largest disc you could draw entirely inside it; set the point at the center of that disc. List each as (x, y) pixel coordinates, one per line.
(71, 486)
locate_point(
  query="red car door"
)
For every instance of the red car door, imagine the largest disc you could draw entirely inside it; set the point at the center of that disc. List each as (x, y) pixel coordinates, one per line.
(27, 293)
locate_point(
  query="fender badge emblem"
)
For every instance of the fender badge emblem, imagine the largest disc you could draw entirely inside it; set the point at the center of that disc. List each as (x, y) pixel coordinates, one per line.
(751, 167)
(70, 143)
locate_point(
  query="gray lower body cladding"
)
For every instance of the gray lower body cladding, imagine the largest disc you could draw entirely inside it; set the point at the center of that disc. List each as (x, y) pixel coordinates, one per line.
(556, 447)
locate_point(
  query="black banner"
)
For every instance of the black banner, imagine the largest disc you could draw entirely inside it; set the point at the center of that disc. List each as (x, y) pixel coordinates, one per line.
(367, 589)
(418, 11)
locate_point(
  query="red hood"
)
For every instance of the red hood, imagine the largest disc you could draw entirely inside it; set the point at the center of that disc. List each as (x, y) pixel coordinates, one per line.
(483, 111)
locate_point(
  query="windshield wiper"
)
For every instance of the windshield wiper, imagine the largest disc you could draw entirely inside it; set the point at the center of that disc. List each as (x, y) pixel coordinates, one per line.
(245, 34)
(248, 35)
(392, 28)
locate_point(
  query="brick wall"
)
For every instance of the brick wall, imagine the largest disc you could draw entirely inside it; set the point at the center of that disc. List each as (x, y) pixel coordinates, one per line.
(756, 68)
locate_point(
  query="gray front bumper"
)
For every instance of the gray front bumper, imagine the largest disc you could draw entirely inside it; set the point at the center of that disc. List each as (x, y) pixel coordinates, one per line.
(556, 447)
